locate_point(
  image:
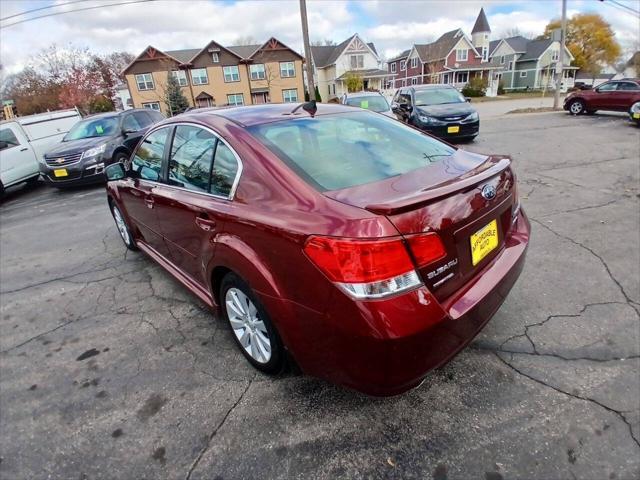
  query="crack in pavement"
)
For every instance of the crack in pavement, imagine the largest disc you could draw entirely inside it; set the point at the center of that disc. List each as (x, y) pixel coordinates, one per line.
(489, 348)
(589, 207)
(619, 414)
(628, 299)
(218, 427)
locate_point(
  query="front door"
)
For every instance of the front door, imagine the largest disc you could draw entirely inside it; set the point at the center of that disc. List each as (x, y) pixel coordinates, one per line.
(17, 160)
(604, 96)
(138, 194)
(201, 172)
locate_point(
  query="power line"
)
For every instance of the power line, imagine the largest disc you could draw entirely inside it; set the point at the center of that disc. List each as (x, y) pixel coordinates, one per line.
(626, 7)
(75, 10)
(27, 12)
(621, 8)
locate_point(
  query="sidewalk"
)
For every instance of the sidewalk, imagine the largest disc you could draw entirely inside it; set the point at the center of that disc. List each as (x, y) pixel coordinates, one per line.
(500, 107)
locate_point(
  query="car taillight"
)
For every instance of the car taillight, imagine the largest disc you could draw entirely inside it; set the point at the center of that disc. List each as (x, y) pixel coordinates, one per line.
(515, 206)
(376, 268)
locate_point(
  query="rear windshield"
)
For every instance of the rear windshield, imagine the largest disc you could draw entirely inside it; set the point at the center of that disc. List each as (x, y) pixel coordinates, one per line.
(332, 152)
(97, 127)
(376, 103)
(438, 96)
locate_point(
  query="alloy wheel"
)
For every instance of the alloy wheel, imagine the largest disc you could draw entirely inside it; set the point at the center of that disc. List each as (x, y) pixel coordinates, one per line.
(247, 326)
(122, 226)
(576, 108)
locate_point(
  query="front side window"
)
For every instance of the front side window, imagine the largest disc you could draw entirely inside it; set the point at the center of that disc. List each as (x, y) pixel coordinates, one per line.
(607, 87)
(145, 81)
(289, 96)
(257, 71)
(191, 158)
(180, 76)
(235, 99)
(96, 127)
(231, 73)
(462, 55)
(7, 139)
(357, 61)
(333, 152)
(152, 106)
(199, 76)
(287, 69)
(147, 160)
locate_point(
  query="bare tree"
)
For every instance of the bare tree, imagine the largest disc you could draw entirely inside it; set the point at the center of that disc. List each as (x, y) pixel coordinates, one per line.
(245, 40)
(327, 42)
(516, 32)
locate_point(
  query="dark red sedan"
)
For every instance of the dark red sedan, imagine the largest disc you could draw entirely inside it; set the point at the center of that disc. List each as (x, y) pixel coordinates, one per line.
(361, 249)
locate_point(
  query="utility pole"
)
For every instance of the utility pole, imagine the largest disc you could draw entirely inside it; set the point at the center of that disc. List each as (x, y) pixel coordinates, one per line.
(307, 50)
(560, 64)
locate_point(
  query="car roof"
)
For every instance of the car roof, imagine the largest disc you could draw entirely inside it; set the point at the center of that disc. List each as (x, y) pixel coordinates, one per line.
(266, 113)
(430, 86)
(363, 94)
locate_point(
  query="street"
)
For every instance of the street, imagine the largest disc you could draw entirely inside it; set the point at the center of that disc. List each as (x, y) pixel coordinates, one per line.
(111, 369)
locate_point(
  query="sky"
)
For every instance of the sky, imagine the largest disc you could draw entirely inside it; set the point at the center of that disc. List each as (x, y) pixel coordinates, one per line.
(174, 24)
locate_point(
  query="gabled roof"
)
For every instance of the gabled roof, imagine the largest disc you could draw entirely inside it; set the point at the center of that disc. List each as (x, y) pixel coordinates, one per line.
(151, 53)
(517, 43)
(244, 51)
(535, 48)
(272, 44)
(482, 24)
(323, 56)
(439, 49)
(400, 56)
(183, 56)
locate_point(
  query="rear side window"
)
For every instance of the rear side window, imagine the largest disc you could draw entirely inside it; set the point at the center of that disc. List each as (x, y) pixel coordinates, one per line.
(7, 139)
(628, 86)
(147, 160)
(332, 152)
(143, 119)
(131, 123)
(191, 158)
(225, 170)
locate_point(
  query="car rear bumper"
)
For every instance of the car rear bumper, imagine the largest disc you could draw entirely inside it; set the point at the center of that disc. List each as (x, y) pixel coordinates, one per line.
(76, 175)
(387, 347)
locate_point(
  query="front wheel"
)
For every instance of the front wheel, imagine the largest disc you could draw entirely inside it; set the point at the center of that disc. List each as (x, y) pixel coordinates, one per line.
(123, 228)
(252, 328)
(577, 107)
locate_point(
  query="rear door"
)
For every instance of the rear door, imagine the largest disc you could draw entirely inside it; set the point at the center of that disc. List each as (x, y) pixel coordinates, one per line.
(138, 192)
(201, 173)
(626, 94)
(17, 159)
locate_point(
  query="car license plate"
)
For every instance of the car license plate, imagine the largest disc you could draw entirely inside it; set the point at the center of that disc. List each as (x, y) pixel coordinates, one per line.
(483, 242)
(636, 115)
(60, 172)
(453, 129)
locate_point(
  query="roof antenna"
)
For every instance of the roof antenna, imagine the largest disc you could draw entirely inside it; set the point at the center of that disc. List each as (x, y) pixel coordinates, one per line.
(309, 107)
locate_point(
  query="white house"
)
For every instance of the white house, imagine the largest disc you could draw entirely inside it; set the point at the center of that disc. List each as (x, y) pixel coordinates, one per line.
(332, 64)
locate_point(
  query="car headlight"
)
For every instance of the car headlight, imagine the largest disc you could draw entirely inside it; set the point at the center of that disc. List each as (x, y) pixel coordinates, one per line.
(473, 117)
(430, 120)
(95, 151)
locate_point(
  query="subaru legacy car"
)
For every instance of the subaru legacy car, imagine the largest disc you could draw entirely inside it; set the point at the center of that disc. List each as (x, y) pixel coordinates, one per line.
(339, 240)
(437, 109)
(92, 144)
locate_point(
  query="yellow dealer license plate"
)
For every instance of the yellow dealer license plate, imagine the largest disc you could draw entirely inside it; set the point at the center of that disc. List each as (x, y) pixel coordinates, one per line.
(484, 241)
(453, 129)
(636, 115)
(60, 172)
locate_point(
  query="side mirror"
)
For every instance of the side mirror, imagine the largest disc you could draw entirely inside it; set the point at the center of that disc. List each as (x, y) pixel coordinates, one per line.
(468, 99)
(115, 171)
(127, 131)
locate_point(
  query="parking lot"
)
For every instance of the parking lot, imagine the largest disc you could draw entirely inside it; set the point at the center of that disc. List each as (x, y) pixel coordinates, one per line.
(110, 369)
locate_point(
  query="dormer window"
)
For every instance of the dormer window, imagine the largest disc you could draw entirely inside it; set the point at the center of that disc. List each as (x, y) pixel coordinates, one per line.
(215, 57)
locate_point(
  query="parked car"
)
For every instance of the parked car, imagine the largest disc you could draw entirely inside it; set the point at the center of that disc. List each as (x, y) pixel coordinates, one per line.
(373, 101)
(617, 95)
(23, 141)
(438, 109)
(634, 113)
(94, 143)
(361, 249)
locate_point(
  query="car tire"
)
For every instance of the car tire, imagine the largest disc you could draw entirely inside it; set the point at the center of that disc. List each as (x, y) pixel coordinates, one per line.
(577, 107)
(123, 228)
(120, 157)
(251, 326)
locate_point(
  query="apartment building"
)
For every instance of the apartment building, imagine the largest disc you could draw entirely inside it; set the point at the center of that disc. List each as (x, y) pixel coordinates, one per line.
(216, 75)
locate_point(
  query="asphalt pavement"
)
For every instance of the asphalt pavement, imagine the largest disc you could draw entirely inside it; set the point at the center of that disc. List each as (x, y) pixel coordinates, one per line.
(110, 369)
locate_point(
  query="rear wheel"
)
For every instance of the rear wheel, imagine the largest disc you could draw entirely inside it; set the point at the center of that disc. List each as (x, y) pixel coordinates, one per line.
(577, 107)
(123, 228)
(252, 328)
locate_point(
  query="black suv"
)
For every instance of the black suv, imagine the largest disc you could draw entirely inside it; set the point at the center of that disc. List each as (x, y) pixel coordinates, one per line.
(93, 143)
(438, 109)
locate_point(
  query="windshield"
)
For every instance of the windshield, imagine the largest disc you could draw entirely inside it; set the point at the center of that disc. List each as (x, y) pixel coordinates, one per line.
(332, 152)
(375, 103)
(438, 96)
(97, 127)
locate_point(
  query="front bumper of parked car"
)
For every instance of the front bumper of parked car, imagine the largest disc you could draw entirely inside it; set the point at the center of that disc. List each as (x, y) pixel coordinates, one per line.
(453, 130)
(386, 347)
(82, 172)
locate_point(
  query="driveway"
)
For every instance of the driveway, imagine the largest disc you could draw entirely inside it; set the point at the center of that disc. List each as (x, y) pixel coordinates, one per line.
(110, 369)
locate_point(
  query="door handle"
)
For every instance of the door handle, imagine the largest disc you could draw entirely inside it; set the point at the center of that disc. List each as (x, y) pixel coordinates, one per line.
(206, 224)
(149, 201)
(24, 149)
